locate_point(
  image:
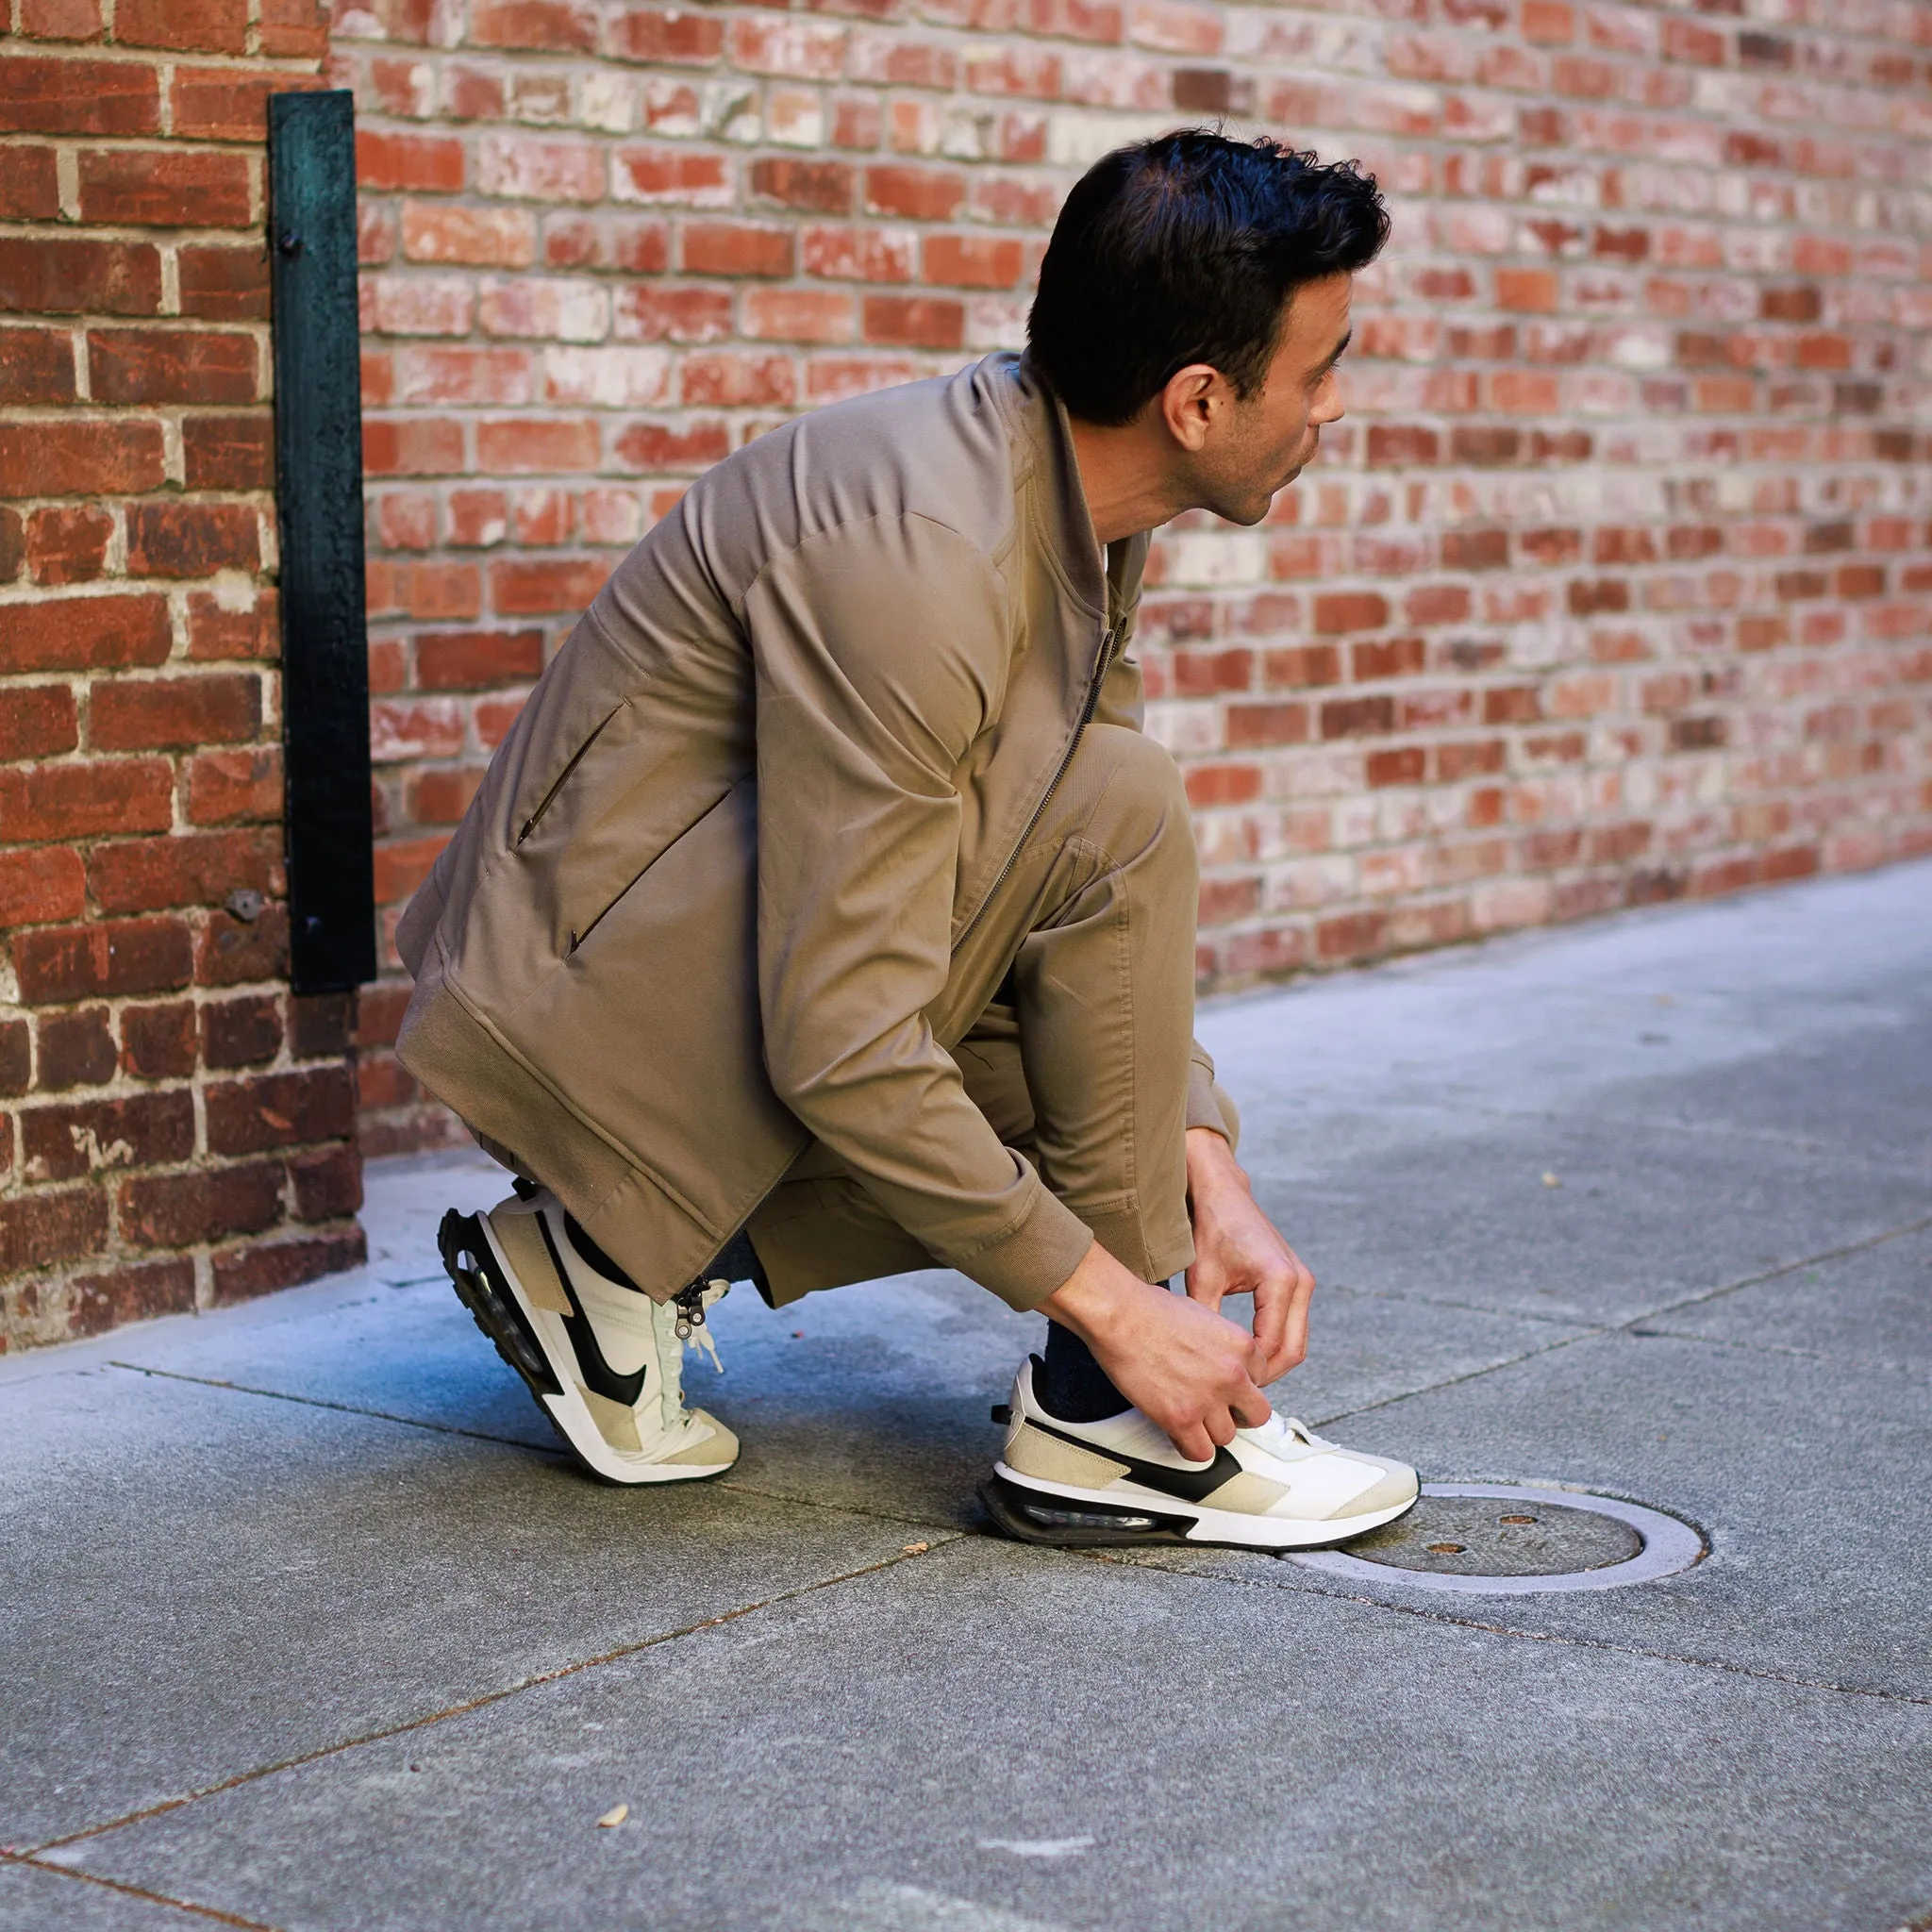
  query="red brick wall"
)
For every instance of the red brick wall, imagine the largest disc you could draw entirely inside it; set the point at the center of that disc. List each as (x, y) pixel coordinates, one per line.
(177, 1130)
(1613, 587)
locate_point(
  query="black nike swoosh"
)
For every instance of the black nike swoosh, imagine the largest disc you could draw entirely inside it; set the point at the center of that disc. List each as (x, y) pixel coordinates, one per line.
(599, 1377)
(1190, 1485)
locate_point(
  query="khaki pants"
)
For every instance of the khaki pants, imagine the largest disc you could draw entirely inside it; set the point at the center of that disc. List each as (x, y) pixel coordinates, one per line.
(1070, 1012)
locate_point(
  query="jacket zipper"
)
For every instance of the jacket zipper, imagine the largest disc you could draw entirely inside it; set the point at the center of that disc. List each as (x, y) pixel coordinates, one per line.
(1086, 711)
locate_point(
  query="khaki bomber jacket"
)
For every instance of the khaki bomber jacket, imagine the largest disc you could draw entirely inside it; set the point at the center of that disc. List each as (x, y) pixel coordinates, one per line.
(715, 876)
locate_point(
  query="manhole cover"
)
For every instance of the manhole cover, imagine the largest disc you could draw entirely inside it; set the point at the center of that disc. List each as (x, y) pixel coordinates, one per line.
(1466, 1535)
(1508, 1539)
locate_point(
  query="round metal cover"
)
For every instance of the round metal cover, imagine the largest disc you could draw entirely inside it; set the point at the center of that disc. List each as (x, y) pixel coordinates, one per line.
(1508, 1539)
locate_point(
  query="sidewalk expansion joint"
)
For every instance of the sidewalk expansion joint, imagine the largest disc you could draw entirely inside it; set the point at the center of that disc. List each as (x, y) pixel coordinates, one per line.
(1568, 1638)
(34, 1854)
(381, 1415)
(139, 1891)
(1633, 1324)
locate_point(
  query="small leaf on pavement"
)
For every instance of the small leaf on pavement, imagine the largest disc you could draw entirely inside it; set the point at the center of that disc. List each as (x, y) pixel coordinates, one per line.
(616, 1815)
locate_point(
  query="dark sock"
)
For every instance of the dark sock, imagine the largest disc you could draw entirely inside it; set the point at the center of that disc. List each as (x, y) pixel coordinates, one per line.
(738, 1261)
(1071, 1385)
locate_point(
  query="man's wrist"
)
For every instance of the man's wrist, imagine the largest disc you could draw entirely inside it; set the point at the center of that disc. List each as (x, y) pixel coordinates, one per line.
(1211, 1166)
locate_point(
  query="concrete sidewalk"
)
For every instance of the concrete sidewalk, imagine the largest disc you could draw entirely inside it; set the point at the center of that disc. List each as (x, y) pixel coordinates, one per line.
(308, 1625)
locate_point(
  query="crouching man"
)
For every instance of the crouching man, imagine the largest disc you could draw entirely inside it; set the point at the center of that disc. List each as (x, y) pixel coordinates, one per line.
(827, 913)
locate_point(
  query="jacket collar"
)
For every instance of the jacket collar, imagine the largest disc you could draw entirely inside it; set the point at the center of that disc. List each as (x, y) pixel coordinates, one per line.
(1056, 501)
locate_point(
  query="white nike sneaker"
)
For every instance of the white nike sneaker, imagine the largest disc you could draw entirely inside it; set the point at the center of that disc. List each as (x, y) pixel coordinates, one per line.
(1279, 1486)
(603, 1362)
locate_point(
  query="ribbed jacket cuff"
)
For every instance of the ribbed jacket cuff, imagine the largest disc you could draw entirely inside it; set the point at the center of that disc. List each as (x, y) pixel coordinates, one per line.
(1023, 1268)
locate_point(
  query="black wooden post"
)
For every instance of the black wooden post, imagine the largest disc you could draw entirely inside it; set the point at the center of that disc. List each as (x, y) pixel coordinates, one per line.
(328, 827)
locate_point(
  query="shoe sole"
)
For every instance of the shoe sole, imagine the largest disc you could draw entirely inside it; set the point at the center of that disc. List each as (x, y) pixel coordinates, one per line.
(498, 1308)
(1019, 1503)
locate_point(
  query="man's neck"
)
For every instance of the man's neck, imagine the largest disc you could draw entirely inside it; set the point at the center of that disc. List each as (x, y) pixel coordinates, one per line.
(1122, 478)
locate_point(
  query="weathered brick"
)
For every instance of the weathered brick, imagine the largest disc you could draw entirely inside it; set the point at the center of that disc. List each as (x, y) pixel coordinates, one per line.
(63, 1141)
(68, 543)
(77, 275)
(242, 1273)
(199, 188)
(159, 1041)
(41, 885)
(39, 1230)
(224, 284)
(242, 1032)
(37, 721)
(36, 366)
(229, 951)
(80, 459)
(74, 1049)
(171, 366)
(191, 539)
(148, 713)
(77, 801)
(29, 185)
(228, 452)
(132, 1292)
(327, 1185)
(112, 957)
(268, 1110)
(41, 95)
(189, 869)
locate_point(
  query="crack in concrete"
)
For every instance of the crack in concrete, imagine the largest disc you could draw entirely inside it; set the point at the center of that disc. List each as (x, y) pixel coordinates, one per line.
(139, 1891)
(34, 1854)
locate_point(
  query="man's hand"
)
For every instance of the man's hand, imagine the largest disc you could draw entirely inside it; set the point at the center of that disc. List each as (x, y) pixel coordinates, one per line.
(1237, 1251)
(1177, 1362)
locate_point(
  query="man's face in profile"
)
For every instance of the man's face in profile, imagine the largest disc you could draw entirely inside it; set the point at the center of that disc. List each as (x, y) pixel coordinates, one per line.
(1273, 434)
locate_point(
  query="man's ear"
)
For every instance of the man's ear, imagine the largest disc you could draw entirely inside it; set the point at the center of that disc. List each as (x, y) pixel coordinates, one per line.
(1190, 402)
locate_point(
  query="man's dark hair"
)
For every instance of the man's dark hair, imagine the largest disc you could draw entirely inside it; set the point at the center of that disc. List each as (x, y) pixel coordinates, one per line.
(1186, 249)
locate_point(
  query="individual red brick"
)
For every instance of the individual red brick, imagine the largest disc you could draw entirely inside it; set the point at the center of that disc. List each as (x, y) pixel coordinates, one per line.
(63, 96)
(179, 1210)
(29, 185)
(226, 103)
(327, 1185)
(37, 721)
(148, 713)
(293, 29)
(70, 274)
(920, 195)
(536, 445)
(220, 284)
(229, 951)
(822, 186)
(16, 1063)
(321, 1025)
(199, 188)
(796, 315)
(158, 1042)
(240, 1032)
(68, 544)
(736, 248)
(189, 26)
(66, 1141)
(1251, 726)
(658, 447)
(41, 885)
(132, 1292)
(973, 261)
(36, 366)
(1475, 549)
(1339, 611)
(75, 801)
(537, 587)
(170, 366)
(422, 162)
(80, 458)
(268, 1110)
(242, 1273)
(191, 539)
(485, 238)
(106, 959)
(914, 321)
(228, 452)
(39, 1230)
(12, 543)
(228, 786)
(725, 378)
(74, 1049)
(216, 631)
(473, 659)
(441, 797)
(189, 869)
(412, 447)
(564, 27)
(1519, 704)
(672, 176)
